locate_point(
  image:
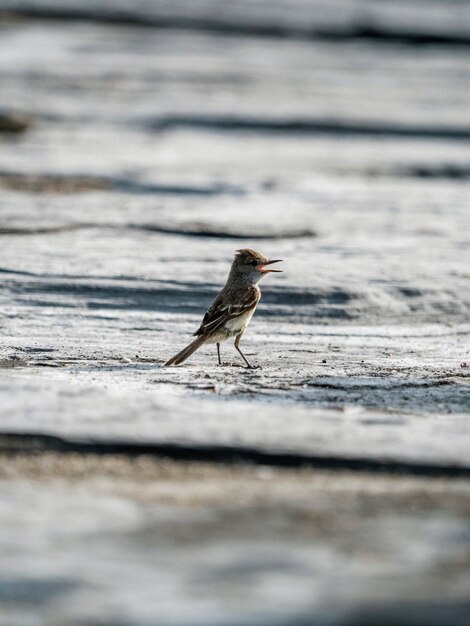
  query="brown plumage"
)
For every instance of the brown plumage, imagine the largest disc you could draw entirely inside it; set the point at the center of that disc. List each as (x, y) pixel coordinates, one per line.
(230, 313)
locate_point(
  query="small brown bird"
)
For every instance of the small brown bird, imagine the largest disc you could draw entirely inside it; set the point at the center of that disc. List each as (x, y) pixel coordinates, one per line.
(230, 313)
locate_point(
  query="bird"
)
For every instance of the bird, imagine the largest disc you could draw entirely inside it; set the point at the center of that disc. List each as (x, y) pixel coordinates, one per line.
(230, 313)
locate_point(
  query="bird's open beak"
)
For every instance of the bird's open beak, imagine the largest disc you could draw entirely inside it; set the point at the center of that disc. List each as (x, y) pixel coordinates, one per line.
(270, 262)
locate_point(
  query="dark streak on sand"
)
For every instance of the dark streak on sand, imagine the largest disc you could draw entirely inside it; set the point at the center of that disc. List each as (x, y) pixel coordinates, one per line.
(234, 123)
(373, 33)
(56, 184)
(37, 443)
(121, 293)
(187, 296)
(41, 230)
(206, 230)
(444, 171)
(189, 230)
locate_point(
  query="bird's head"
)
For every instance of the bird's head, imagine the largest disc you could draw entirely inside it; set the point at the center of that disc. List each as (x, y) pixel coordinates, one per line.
(252, 265)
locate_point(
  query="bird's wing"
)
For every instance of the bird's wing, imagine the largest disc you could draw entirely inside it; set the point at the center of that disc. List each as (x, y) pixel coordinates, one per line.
(220, 312)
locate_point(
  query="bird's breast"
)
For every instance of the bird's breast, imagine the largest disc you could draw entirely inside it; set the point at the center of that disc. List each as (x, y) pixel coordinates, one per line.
(238, 324)
(232, 327)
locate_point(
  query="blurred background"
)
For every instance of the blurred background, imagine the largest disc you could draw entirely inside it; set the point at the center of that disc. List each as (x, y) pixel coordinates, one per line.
(336, 128)
(141, 143)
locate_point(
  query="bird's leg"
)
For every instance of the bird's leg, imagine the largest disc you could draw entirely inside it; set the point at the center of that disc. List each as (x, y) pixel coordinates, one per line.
(237, 346)
(250, 367)
(218, 353)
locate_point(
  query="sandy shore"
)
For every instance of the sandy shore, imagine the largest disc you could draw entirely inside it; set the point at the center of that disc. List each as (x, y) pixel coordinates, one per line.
(139, 148)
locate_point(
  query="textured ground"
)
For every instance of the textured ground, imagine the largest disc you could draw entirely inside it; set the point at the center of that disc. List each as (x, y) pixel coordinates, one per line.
(119, 541)
(330, 484)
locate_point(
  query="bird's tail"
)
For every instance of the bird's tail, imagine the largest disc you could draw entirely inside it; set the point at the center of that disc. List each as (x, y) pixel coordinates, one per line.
(186, 352)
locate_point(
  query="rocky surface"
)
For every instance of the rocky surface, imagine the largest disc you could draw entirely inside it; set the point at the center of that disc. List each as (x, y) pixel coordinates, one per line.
(329, 484)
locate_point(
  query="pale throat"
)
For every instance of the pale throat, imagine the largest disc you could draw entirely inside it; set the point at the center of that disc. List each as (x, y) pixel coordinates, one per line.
(245, 278)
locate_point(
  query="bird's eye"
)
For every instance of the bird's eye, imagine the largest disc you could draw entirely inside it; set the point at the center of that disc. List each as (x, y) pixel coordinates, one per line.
(254, 263)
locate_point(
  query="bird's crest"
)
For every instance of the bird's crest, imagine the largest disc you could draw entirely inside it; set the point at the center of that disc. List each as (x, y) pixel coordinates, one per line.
(247, 254)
